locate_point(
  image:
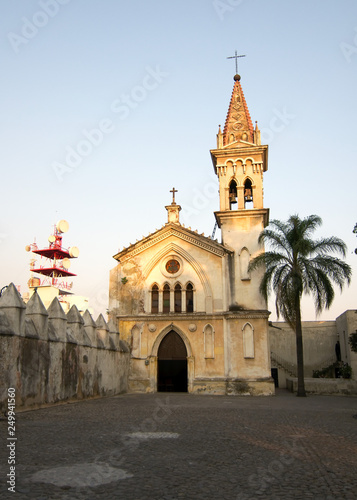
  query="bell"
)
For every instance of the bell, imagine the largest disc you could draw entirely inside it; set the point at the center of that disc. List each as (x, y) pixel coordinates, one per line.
(248, 195)
(232, 198)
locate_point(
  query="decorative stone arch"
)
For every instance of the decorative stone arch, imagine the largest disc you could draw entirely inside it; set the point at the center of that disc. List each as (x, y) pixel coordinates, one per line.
(248, 177)
(153, 358)
(165, 331)
(248, 340)
(208, 341)
(244, 259)
(172, 247)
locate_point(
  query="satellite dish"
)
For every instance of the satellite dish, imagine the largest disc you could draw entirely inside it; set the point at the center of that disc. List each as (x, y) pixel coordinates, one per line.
(73, 251)
(51, 238)
(66, 263)
(28, 248)
(62, 226)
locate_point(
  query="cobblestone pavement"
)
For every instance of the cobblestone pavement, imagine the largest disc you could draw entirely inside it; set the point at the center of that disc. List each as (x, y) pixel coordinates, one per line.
(183, 446)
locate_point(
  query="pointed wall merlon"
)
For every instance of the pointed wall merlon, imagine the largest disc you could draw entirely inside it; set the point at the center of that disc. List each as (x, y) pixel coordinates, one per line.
(90, 327)
(37, 313)
(31, 330)
(32, 320)
(113, 333)
(102, 332)
(14, 308)
(5, 328)
(76, 323)
(58, 321)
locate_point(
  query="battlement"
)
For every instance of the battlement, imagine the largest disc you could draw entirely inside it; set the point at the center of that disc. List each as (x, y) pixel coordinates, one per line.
(48, 356)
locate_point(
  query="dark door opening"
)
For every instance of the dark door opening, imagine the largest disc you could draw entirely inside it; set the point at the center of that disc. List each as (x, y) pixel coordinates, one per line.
(274, 374)
(172, 364)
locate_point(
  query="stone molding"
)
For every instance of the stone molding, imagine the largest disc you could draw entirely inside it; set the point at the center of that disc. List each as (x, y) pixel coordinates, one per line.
(179, 232)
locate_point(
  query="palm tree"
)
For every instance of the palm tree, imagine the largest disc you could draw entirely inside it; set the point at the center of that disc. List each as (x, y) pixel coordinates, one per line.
(296, 264)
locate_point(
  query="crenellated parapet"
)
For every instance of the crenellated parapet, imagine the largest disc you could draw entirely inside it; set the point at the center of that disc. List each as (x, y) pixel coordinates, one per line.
(33, 320)
(49, 356)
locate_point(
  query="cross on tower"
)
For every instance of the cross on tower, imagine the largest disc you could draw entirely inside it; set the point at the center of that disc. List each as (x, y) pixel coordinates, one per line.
(173, 191)
(236, 58)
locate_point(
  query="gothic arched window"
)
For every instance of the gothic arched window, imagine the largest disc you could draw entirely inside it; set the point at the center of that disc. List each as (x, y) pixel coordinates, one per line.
(248, 192)
(155, 299)
(166, 299)
(233, 194)
(178, 300)
(189, 297)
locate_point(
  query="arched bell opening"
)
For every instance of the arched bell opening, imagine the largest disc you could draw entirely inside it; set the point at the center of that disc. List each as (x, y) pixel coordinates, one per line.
(248, 193)
(172, 364)
(233, 195)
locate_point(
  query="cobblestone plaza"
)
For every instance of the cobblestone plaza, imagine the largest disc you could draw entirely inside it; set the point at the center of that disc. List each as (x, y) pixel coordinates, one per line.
(182, 446)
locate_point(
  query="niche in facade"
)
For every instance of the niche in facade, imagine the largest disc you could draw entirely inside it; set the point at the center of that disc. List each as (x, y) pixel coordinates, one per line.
(244, 259)
(208, 333)
(248, 341)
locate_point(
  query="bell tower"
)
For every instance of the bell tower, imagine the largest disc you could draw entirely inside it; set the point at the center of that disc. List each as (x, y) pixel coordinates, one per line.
(239, 162)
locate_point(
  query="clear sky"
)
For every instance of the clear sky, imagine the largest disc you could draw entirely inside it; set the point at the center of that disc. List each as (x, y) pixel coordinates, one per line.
(148, 83)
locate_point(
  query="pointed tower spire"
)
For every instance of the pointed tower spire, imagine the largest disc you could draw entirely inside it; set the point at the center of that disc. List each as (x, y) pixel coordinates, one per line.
(238, 126)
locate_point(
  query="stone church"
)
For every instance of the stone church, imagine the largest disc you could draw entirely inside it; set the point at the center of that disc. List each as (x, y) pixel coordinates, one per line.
(188, 305)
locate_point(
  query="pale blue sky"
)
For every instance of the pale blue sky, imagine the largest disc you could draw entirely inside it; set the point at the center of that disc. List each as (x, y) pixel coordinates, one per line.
(71, 70)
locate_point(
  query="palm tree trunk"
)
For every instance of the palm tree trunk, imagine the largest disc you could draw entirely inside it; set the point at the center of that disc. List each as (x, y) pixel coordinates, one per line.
(299, 352)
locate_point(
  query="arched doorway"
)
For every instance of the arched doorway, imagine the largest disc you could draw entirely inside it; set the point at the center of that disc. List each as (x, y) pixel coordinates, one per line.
(172, 364)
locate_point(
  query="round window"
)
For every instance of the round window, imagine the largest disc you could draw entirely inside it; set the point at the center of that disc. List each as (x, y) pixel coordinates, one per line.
(172, 266)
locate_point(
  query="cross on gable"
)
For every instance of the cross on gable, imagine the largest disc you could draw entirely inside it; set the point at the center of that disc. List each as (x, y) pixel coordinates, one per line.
(173, 191)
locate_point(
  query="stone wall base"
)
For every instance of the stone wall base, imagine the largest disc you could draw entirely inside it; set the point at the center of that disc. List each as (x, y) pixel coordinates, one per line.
(215, 386)
(325, 386)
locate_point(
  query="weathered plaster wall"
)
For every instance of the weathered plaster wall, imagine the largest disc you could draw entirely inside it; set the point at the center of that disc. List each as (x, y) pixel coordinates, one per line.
(319, 341)
(49, 357)
(346, 324)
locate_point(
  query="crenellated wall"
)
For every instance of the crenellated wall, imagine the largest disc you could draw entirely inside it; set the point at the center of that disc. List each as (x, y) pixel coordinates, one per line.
(48, 356)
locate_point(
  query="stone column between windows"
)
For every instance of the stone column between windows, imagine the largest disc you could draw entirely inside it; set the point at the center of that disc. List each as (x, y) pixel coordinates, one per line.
(161, 301)
(172, 300)
(183, 300)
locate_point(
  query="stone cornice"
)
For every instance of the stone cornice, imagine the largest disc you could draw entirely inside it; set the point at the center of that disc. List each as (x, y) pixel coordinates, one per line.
(172, 230)
(175, 317)
(243, 213)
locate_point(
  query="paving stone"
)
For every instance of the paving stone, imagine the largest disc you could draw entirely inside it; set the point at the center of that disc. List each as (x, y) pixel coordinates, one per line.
(164, 447)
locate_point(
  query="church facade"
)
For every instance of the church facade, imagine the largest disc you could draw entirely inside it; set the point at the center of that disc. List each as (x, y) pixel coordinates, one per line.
(188, 305)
